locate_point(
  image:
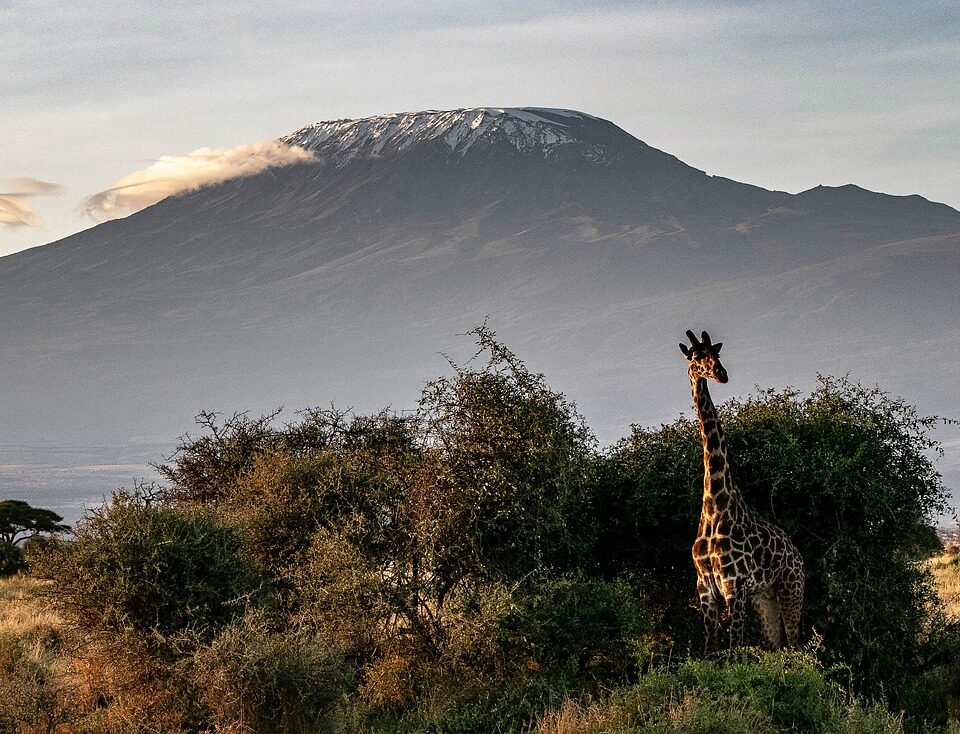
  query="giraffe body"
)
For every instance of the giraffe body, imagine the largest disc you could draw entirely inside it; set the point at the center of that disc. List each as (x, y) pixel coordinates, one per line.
(740, 558)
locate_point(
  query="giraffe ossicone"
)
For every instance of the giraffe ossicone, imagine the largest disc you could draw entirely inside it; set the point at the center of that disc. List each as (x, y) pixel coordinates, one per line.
(740, 558)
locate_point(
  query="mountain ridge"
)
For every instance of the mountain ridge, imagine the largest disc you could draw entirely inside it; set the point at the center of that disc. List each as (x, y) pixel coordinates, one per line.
(342, 281)
(527, 129)
(353, 152)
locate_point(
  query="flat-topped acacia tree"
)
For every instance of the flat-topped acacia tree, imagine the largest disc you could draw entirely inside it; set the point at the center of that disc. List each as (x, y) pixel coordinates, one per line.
(19, 521)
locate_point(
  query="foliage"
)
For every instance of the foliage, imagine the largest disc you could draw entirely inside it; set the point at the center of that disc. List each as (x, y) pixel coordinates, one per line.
(149, 569)
(126, 685)
(32, 698)
(253, 677)
(589, 624)
(846, 471)
(201, 467)
(401, 513)
(648, 498)
(789, 686)
(763, 692)
(760, 693)
(357, 485)
(511, 705)
(11, 560)
(509, 470)
(20, 522)
(478, 565)
(340, 588)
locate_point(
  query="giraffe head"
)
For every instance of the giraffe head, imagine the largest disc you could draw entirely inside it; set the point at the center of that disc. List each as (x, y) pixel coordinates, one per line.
(703, 357)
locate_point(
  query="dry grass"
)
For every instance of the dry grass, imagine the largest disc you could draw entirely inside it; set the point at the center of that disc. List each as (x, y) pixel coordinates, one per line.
(946, 571)
(37, 680)
(689, 714)
(23, 611)
(576, 718)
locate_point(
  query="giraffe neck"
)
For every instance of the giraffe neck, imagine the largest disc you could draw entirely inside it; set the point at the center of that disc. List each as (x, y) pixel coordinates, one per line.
(716, 471)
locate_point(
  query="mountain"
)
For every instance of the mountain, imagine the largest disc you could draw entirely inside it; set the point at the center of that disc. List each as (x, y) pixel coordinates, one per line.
(343, 278)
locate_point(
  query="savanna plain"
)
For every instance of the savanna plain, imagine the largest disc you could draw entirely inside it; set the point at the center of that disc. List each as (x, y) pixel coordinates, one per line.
(480, 565)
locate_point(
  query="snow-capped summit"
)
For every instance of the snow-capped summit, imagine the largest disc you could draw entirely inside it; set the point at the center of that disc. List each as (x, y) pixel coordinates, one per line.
(530, 130)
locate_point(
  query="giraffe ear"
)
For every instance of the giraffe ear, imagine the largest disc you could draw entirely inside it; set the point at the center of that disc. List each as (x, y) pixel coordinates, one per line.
(686, 352)
(717, 347)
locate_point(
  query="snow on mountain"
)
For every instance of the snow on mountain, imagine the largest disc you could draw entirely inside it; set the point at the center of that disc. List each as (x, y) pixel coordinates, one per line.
(527, 129)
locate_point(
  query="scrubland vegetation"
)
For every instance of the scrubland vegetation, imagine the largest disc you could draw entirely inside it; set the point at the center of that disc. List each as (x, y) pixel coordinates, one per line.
(480, 566)
(946, 572)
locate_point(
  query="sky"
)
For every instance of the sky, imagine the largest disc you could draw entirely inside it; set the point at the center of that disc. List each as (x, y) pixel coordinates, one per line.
(101, 100)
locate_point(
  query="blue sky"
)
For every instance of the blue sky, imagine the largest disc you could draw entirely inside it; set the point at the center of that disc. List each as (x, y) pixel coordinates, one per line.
(785, 95)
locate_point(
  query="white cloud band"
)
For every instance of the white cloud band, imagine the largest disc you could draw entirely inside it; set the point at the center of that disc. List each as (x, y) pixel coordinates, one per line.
(173, 174)
(14, 211)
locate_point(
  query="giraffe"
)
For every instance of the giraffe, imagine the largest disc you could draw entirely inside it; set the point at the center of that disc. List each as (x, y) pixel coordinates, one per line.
(738, 555)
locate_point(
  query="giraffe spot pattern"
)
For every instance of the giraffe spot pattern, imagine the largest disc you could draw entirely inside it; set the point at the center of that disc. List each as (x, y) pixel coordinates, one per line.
(739, 557)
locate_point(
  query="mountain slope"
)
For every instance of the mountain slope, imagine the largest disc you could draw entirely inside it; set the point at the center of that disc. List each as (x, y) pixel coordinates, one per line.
(589, 251)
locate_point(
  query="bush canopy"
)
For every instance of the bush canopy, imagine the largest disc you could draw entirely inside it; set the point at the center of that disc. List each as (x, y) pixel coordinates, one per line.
(482, 550)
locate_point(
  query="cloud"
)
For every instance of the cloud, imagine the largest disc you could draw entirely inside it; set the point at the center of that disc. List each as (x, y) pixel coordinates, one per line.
(14, 211)
(173, 174)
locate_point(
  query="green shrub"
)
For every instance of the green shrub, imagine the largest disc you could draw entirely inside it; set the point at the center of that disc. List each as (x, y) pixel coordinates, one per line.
(390, 519)
(508, 488)
(254, 677)
(32, 696)
(647, 499)
(343, 594)
(765, 693)
(698, 714)
(151, 569)
(588, 624)
(201, 468)
(512, 705)
(789, 687)
(507, 653)
(846, 471)
(276, 507)
(760, 692)
(11, 560)
(872, 719)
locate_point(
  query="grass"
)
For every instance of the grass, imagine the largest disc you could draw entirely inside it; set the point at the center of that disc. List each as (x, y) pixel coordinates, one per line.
(37, 675)
(946, 570)
(773, 693)
(50, 690)
(23, 613)
(694, 711)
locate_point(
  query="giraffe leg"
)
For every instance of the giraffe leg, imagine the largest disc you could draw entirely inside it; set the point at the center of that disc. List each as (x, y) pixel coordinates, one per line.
(710, 607)
(737, 604)
(768, 609)
(790, 598)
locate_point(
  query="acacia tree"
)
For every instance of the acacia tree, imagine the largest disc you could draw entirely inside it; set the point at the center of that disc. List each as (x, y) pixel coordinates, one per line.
(509, 460)
(19, 521)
